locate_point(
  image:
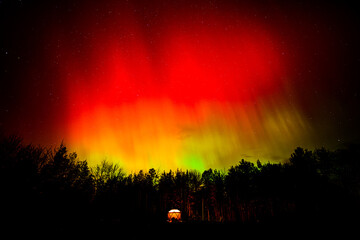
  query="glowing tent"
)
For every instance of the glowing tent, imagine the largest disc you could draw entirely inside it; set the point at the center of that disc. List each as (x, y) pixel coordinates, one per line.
(174, 215)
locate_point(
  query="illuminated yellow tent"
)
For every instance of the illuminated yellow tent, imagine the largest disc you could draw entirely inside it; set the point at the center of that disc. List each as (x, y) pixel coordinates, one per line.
(174, 215)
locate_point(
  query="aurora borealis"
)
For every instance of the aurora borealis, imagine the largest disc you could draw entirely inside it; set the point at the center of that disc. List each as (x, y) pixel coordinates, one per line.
(179, 84)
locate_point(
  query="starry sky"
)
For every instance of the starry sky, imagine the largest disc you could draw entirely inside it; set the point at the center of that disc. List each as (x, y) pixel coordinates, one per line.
(180, 84)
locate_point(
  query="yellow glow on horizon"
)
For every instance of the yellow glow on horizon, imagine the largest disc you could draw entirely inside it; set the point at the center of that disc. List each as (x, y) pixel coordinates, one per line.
(160, 134)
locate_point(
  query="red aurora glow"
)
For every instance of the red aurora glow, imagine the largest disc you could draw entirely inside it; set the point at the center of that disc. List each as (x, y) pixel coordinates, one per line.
(187, 90)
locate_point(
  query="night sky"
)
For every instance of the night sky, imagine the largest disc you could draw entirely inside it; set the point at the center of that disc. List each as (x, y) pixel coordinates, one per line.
(180, 84)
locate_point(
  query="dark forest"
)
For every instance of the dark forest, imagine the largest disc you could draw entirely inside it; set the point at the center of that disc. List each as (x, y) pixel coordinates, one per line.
(53, 187)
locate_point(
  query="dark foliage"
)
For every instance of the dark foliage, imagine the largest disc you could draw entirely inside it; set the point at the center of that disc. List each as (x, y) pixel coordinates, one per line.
(52, 186)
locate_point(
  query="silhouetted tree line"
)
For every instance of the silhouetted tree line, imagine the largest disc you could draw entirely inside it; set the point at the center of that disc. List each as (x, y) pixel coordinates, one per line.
(54, 186)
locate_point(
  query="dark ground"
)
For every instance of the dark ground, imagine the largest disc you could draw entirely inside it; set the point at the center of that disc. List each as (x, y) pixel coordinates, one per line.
(291, 229)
